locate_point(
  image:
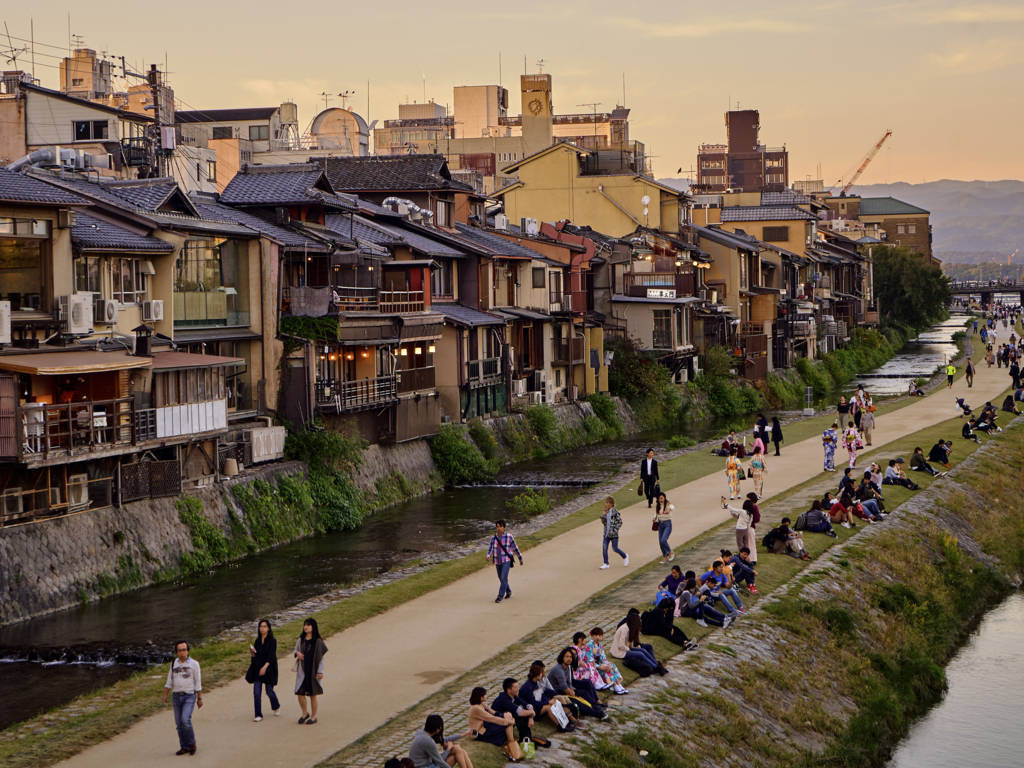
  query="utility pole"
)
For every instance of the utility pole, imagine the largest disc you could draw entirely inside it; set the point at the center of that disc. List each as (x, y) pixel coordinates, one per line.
(153, 78)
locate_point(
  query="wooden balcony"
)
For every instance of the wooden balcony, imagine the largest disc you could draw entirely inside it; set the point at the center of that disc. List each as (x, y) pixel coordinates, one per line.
(346, 396)
(46, 432)
(567, 352)
(638, 283)
(402, 301)
(414, 379)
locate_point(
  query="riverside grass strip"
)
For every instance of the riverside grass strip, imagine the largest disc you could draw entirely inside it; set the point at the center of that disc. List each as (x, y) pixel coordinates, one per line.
(775, 574)
(95, 717)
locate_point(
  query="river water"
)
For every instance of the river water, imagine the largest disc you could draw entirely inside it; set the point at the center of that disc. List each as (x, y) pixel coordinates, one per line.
(918, 359)
(50, 660)
(978, 722)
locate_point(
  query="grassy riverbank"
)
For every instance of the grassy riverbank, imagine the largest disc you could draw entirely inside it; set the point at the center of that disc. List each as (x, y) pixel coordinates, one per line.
(98, 716)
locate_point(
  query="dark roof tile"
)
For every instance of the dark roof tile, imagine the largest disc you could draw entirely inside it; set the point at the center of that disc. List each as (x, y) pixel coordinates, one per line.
(764, 213)
(389, 173)
(275, 185)
(18, 188)
(499, 246)
(91, 232)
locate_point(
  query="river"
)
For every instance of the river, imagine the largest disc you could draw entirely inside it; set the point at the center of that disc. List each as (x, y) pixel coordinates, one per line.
(50, 660)
(977, 723)
(918, 359)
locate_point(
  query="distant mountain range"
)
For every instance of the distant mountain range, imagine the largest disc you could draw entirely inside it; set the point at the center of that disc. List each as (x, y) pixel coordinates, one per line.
(973, 221)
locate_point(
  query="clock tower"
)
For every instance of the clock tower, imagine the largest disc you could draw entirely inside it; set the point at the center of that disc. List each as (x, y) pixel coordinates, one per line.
(537, 112)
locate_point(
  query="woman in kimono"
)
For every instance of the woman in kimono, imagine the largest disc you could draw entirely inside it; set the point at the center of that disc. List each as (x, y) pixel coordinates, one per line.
(733, 468)
(609, 673)
(851, 438)
(759, 468)
(829, 438)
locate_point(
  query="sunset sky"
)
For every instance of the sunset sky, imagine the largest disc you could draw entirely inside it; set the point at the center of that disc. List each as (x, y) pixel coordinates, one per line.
(828, 78)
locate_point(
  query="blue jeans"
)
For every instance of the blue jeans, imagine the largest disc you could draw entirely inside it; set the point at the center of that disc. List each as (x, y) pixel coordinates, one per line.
(871, 507)
(730, 592)
(257, 697)
(503, 569)
(184, 703)
(645, 652)
(614, 541)
(664, 531)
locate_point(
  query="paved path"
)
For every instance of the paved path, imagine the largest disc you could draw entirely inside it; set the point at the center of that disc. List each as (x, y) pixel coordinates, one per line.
(388, 663)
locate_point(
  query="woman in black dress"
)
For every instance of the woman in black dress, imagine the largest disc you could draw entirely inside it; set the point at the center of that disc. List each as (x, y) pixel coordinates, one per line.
(309, 669)
(776, 433)
(263, 669)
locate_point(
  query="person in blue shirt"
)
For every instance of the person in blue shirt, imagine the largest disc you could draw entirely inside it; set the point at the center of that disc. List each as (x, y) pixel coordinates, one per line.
(719, 587)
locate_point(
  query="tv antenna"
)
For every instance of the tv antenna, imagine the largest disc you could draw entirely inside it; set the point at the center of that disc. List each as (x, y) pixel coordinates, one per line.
(540, 66)
(11, 54)
(345, 96)
(593, 108)
(326, 96)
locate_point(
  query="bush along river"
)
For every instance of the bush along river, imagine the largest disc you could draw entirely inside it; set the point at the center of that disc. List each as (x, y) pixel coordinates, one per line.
(49, 660)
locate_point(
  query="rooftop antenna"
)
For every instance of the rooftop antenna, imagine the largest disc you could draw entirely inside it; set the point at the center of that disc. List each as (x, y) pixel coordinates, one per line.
(12, 53)
(540, 66)
(593, 105)
(345, 96)
(424, 76)
(326, 95)
(623, 89)
(499, 69)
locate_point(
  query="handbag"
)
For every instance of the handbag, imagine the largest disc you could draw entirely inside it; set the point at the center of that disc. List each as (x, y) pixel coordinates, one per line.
(559, 713)
(654, 524)
(529, 748)
(640, 489)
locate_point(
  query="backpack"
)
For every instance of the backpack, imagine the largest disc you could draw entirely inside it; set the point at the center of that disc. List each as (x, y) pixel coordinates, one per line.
(801, 522)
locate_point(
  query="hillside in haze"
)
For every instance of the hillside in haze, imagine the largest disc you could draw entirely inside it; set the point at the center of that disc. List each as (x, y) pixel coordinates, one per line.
(973, 221)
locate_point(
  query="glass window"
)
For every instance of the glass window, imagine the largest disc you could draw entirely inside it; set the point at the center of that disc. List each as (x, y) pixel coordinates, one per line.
(86, 130)
(538, 277)
(87, 275)
(24, 271)
(662, 337)
(211, 170)
(441, 279)
(128, 281)
(259, 132)
(211, 284)
(911, 229)
(222, 132)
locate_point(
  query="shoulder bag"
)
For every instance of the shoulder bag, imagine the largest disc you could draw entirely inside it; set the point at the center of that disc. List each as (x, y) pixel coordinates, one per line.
(511, 560)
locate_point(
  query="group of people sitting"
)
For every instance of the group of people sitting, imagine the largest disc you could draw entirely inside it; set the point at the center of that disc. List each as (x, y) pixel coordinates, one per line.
(711, 599)
(984, 421)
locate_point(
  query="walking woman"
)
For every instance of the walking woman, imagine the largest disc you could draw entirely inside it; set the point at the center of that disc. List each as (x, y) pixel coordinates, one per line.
(759, 468)
(263, 669)
(829, 438)
(663, 525)
(733, 468)
(851, 439)
(309, 669)
(776, 434)
(747, 518)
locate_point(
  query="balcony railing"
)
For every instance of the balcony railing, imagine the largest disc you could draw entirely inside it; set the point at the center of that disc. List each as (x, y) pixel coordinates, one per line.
(138, 151)
(46, 431)
(485, 368)
(566, 352)
(413, 379)
(402, 301)
(341, 396)
(638, 283)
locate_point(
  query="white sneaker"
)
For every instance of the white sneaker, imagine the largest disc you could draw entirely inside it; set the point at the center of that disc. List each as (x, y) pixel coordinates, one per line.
(620, 690)
(605, 566)
(701, 623)
(625, 560)
(845, 524)
(726, 622)
(277, 712)
(257, 719)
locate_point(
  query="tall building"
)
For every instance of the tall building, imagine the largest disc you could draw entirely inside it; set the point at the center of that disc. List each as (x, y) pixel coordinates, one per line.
(743, 164)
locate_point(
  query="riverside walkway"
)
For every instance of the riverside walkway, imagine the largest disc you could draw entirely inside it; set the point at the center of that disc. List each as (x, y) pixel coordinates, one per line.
(386, 664)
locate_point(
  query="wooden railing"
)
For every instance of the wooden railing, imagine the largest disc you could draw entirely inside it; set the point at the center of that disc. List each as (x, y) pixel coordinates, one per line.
(484, 368)
(19, 506)
(341, 396)
(66, 429)
(402, 301)
(637, 283)
(416, 378)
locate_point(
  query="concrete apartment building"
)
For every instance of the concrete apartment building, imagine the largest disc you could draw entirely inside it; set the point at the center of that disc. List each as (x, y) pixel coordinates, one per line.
(904, 224)
(743, 164)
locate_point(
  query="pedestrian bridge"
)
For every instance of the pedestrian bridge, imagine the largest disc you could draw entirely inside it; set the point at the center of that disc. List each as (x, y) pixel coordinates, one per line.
(986, 289)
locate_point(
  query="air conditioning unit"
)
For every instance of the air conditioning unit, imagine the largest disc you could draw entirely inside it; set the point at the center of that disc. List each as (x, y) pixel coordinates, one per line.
(65, 219)
(5, 322)
(76, 313)
(518, 387)
(152, 310)
(535, 398)
(12, 502)
(530, 227)
(78, 492)
(104, 311)
(500, 221)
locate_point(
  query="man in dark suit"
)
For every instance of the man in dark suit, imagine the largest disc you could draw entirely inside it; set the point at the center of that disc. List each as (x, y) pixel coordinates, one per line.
(649, 476)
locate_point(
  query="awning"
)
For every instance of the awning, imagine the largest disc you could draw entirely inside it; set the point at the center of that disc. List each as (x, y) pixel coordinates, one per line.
(409, 263)
(72, 362)
(518, 313)
(645, 300)
(216, 334)
(167, 361)
(466, 316)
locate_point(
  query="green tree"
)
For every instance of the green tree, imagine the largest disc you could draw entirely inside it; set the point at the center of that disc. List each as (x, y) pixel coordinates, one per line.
(910, 290)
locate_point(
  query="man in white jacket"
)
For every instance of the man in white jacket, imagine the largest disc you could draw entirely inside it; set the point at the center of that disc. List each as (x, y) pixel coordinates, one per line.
(185, 683)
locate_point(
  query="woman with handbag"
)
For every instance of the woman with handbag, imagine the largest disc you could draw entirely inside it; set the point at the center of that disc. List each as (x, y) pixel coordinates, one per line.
(485, 725)
(539, 693)
(733, 468)
(262, 670)
(309, 669)
(758, 468)
(662, 523)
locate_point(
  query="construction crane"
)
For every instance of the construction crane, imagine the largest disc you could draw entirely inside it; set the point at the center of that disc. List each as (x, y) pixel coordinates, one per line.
(864, 163)
(1009, 258)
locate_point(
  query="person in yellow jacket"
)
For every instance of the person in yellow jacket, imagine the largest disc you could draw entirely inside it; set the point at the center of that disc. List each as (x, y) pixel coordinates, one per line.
(950, 373)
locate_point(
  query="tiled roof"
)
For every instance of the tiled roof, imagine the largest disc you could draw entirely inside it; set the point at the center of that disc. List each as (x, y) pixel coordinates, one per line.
(91, 232)
(196, 224)
(348, 231)
(764, 213)
(88, 189)
(419, 239)
(887, 206)
(728, 239)
(148, 194)
(786, 197)
(274, 185)
(211, 209)
(366, 230)
(18, 188)
(389, 172)
(467, 316)
(224, 115)
(498, 246)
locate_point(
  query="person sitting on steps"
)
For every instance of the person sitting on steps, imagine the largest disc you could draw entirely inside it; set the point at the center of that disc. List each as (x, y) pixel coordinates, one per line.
(783, 540)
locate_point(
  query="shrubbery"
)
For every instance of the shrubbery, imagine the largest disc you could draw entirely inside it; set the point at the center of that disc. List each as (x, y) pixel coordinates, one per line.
(680, 441)
(605, 410)
(530, 502)
(458, 460)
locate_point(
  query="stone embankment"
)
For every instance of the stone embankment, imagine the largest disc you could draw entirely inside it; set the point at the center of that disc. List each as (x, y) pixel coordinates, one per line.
(54, 564)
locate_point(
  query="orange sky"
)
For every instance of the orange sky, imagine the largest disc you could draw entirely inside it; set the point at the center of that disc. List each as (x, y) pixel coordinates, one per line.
(828, 78)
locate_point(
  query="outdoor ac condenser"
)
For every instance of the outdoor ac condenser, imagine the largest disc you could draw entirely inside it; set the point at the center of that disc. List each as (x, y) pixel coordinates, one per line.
(5, 322)
(76, 313)
(152, 311)
(105, 311)
(78, 491)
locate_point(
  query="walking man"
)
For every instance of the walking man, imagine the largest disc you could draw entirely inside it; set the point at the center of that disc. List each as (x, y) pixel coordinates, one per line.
(185, 683)
(649, 476)
(969, 373)
(950, 373)
(500, 552)
(776, 434)
(1015, 373)
(612, 520)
